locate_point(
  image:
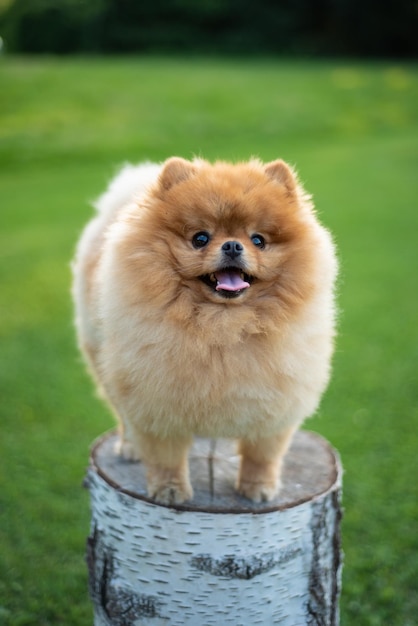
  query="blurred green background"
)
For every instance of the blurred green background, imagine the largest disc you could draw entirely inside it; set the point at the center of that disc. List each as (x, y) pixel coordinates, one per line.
(66, 125)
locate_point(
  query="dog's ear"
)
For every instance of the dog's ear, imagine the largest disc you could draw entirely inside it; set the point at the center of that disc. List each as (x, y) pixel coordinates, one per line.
(281, 173)
(175, 170)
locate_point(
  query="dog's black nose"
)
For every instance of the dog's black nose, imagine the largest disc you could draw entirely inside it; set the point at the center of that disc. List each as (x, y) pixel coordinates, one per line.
(232, 248)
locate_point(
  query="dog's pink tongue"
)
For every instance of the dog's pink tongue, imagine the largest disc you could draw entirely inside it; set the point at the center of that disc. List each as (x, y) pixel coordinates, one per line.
(230, 280)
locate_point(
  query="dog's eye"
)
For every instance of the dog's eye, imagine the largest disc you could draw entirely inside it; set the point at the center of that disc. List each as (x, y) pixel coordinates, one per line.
(258, 240)
(200, 239)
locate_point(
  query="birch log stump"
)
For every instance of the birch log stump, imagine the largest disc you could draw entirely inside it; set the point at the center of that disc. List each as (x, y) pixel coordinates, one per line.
(219, 559)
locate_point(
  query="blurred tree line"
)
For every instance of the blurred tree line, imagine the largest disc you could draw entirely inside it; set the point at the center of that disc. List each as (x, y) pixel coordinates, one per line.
(316, 27)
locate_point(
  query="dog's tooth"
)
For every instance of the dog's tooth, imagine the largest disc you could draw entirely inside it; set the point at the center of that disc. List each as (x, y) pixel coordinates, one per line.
(213, 277)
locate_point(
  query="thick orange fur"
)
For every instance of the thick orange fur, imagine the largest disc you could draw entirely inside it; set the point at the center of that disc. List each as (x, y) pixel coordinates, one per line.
(176, 358)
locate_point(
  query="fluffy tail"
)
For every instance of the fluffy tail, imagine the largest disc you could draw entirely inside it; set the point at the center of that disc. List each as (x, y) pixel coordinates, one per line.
(128, 184)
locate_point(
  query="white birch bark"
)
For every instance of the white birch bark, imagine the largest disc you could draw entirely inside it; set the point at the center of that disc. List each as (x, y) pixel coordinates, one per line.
(219, 560)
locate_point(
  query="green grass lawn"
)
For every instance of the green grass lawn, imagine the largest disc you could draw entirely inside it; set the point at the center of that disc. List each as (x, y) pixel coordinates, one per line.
(352, 132)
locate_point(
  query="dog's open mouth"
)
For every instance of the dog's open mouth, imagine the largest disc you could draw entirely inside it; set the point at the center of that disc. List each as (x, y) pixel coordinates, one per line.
(229, 282)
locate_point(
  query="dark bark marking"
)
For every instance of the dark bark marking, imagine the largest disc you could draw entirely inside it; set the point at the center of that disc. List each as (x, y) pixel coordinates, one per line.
(320, 611)
(230, 566)
(337, 557)
(119, 605)
(317, 608)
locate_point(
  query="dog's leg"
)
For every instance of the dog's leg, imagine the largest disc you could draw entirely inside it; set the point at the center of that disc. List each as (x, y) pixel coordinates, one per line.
(167, 468)
(261, 463)
(126, 445)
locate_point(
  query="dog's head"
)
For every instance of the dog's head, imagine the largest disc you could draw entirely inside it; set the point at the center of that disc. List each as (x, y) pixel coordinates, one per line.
(240, 235)
(234, 232)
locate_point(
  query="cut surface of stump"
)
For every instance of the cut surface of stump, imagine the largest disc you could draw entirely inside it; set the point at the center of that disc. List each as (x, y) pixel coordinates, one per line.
(310, 468)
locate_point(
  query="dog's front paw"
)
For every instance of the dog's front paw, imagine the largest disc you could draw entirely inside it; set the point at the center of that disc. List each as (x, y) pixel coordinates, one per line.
(258, 491)
(171, 493)
(260, 482)
(168, 486)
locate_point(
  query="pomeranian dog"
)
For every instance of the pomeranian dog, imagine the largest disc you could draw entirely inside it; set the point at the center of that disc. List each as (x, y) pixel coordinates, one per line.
(204, 301)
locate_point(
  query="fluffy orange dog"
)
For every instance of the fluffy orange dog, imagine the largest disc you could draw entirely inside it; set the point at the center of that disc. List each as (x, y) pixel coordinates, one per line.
(204, 297)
